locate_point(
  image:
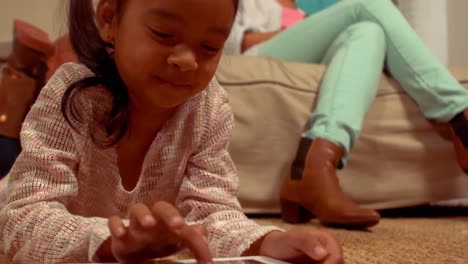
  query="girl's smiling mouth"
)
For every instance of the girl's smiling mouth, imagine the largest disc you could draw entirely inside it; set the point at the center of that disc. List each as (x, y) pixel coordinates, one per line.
(176, 84)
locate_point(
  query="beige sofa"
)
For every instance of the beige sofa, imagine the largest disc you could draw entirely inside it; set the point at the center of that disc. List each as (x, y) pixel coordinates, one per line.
(398, 161)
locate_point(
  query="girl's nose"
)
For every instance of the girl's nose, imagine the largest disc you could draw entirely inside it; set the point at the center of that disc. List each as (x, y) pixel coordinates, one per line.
(184, 58)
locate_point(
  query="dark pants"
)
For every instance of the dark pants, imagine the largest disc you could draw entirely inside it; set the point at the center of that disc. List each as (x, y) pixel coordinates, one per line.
(9, 151)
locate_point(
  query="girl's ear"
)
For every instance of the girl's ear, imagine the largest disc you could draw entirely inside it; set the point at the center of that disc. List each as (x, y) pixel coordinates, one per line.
(106, 18)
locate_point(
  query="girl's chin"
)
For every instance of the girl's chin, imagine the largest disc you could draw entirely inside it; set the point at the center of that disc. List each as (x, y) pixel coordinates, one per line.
(165, 100)
(169, 103)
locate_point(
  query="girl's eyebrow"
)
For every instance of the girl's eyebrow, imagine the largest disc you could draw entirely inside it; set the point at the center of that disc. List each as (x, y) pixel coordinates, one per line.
(224, 32)
(163, 13)
(166, 14)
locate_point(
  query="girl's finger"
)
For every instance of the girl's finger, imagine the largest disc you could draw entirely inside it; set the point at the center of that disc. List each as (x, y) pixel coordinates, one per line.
(312, 247)
(168, 215)
(142, 224)
(200, 229)
(116, 227)
(334, 249)
(321, 246)
(141, 218)
(193, 238)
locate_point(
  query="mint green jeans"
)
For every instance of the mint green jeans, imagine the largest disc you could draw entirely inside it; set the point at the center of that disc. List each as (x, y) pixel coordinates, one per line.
(357, 38)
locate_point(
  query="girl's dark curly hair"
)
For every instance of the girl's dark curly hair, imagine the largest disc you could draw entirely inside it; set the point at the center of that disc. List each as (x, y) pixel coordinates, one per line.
(93, 52)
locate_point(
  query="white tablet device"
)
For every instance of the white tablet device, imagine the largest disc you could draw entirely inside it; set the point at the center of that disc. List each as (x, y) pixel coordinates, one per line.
(239, 260)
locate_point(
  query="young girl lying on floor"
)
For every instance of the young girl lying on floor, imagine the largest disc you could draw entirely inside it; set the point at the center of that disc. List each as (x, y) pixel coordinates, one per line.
(125, 155)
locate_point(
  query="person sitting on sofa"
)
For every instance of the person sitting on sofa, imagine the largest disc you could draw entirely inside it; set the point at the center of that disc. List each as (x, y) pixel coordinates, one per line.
(357, 39)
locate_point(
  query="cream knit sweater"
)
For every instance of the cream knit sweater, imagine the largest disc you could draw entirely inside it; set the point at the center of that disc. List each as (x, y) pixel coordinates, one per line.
(63, 188)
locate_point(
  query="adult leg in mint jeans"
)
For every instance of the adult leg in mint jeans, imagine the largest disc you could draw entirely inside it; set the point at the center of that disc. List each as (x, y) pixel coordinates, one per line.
(435, 90)
(316, 186)
(425, 79)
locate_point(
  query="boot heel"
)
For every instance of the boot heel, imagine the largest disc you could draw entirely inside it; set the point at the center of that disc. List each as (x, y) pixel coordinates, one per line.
(294, 213)
(460, 128)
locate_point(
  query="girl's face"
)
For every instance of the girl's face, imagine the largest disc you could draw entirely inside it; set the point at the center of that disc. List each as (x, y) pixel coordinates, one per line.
(166, 51)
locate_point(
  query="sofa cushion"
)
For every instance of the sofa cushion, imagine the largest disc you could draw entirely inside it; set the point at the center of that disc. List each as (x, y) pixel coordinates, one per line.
(399, 159)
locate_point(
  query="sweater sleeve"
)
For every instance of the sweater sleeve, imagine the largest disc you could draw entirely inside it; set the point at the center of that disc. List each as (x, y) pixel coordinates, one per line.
(209, 191)
(35, 224)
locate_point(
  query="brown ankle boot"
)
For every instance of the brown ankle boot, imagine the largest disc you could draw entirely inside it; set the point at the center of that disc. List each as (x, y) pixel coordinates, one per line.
(22, 77)
(459, 135)
(313, 189)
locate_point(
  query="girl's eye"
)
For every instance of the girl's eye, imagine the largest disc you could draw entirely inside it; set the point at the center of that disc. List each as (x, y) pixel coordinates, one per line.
(210, 48)
(161, 34)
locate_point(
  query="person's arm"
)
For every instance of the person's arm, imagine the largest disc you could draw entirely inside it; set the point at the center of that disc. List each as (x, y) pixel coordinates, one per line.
(208, 194)
(35, 223)
(253, 38)
(288, 3)
(248, 25)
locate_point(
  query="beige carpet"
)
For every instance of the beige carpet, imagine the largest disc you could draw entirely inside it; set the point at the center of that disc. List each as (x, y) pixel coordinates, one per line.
(402, 241)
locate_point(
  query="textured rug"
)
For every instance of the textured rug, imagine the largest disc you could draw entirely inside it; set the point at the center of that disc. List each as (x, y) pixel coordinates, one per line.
(411, 240)
(402, 241)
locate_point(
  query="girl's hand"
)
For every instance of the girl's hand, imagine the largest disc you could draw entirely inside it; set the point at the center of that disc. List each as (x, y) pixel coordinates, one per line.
(154, 233)
(302, 245)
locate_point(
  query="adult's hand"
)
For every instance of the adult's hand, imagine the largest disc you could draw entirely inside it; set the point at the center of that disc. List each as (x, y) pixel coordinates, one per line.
(254, 38)
(288, 3)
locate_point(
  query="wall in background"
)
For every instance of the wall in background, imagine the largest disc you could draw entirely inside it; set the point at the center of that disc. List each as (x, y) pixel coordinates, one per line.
(429, 19)
(458, 32)
(49, 15)
(443, 24)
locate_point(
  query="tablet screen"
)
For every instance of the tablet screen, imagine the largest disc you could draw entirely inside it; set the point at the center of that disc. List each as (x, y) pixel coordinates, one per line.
(239, 260)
